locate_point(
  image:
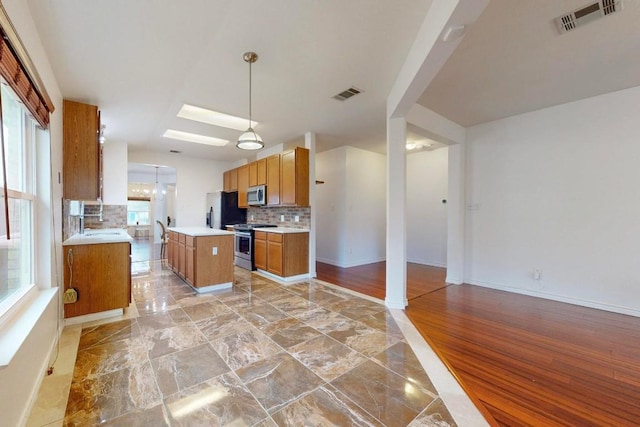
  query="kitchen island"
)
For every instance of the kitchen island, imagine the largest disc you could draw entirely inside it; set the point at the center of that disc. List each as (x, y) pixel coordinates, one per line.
(201, 256)
(97, 265)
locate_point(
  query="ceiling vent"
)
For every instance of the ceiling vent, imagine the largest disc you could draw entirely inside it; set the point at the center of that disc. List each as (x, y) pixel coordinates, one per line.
(175, 151)
(584, 15)
(344, 95)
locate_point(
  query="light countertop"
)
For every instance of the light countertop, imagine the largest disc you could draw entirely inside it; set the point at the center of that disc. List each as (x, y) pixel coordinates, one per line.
(200, 231)
(282, 230)
(97, 236)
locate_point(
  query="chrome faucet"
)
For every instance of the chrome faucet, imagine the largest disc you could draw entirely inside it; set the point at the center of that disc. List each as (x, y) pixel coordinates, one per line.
(83, 215)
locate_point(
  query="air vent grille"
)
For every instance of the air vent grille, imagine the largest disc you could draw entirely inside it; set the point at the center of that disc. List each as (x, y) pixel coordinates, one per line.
(346, 94)
(175, 151)
(586, 14)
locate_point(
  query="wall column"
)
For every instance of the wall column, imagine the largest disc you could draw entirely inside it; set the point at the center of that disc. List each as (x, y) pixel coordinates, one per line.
(455, 214)
(396, 214)
(310, 143)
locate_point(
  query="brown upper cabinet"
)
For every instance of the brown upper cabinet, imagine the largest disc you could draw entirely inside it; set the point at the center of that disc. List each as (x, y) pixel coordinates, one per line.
(294, 173)
(273, 180)
(258, 172)
(230, 180)
(80, 151)
(243, 185)
(286, 176)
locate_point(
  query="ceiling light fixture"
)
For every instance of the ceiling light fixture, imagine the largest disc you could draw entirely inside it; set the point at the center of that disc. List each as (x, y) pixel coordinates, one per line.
(157, 190)
(250, 140)
(203, 115)
(194, 137)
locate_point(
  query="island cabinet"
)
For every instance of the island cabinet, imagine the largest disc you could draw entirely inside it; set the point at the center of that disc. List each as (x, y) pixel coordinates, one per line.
(282, 254)
(243, 186)
(190, 260)
(206, 260)
(101, 274)
(273, 180)
(80, 151)
(172, 250)
(182, 253)
(294, 177)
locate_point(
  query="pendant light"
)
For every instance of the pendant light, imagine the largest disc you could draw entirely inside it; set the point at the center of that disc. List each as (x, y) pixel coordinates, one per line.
(157, 190)
(250, 140)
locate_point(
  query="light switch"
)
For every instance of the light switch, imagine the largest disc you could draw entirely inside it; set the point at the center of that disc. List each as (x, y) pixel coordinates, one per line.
(281, 218)
(296, 218)
(214, 250)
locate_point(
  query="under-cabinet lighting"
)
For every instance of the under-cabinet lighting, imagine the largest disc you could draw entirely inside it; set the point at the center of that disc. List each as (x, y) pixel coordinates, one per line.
(194, 137)
(215, 118)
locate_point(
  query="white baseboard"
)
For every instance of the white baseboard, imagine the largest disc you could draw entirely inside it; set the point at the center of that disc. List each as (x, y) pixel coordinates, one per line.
(559, 298)
(350, 264)
(94, 316)
(428, 262)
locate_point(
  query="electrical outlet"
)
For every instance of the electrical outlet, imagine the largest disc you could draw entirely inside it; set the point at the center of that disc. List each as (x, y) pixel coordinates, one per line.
(537, 274)
(281, 218)
(296, 218)
(214, 250)
(251, 217)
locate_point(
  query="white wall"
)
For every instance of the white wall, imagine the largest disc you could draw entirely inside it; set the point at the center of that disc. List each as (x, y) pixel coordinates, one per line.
(558, 190)
(114, 173)
(426, 214)
(330, 206)
(194, 179)
(19, 381)
(366, 207)
(350, 207)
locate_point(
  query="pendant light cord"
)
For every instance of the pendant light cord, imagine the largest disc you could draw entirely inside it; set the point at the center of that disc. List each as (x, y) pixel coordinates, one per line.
(250, 124)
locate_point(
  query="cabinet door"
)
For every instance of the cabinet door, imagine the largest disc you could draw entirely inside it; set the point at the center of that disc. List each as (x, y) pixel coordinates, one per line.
(226, 181)
(182, 266)
(273, 180)
(190, 255)
(260, 250)
(170, 250)
(288, 178)
(101, 275)
(262, 172)
(80, 151)
(233, 180)
(294, 177)
(253, 174)
(243, 185)
(274, 254)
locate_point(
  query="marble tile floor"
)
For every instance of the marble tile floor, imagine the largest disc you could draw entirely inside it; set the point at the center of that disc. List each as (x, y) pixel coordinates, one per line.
(261, 354)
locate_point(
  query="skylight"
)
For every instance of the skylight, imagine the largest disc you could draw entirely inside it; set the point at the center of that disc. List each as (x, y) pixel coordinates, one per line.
(214, 118)
(194, 137)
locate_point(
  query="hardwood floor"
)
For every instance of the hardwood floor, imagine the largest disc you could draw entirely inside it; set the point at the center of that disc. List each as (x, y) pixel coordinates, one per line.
(370, 279)
(531, 361)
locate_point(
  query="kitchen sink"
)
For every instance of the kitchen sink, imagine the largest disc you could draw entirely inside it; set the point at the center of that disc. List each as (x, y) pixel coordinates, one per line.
(90, 233)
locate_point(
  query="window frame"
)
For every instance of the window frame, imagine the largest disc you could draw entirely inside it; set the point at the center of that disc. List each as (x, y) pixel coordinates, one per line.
(12, 302)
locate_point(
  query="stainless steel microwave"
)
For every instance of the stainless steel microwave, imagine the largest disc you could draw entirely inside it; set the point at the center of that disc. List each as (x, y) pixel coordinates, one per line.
(257, 196)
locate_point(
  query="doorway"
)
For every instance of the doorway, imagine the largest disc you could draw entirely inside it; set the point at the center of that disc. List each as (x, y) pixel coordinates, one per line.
(151, 192)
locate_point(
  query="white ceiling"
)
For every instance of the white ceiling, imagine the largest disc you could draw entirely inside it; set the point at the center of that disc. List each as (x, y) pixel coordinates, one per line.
(139, 61)
(514, 60)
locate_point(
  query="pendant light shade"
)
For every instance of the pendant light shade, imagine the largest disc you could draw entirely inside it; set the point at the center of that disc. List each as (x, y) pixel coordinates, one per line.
(250, 140)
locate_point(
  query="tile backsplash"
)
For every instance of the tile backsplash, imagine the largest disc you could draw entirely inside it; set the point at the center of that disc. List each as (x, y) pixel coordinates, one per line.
(272, 215)
(114, 216)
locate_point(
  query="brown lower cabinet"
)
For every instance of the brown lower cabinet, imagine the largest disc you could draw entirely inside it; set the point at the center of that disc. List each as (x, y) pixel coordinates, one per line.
(282, 254)
(101, 273)
(193, 258)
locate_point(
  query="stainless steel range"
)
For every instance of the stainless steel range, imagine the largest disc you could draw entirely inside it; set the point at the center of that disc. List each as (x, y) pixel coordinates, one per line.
(244, 244)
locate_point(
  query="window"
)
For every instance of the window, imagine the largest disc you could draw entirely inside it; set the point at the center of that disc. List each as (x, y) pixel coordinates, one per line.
(138, 212)
(17, 253)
